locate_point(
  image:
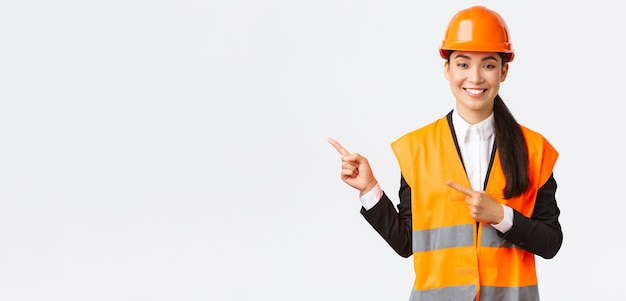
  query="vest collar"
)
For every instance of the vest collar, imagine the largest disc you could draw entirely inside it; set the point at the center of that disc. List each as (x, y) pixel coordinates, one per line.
(462, 128)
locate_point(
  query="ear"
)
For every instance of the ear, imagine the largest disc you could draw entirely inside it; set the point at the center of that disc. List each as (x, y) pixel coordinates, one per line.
(505, 71)
(446, 70)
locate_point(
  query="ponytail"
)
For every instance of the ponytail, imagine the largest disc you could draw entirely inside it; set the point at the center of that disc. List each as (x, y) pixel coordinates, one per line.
(512, 149)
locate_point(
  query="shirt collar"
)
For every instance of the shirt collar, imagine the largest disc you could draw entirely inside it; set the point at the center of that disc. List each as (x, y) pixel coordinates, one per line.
(462, 128)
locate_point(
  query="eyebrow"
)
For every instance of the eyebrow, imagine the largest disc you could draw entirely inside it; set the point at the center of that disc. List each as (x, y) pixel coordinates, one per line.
(467, 57)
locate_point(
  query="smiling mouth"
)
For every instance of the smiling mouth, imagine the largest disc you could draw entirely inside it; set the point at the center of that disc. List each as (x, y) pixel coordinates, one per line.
(475, 91)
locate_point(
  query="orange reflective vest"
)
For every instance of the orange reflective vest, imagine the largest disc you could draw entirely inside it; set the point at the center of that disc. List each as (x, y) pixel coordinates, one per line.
(456, 258)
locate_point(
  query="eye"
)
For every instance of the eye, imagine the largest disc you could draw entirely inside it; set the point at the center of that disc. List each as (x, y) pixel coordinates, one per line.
(489, 66)
(461, 65)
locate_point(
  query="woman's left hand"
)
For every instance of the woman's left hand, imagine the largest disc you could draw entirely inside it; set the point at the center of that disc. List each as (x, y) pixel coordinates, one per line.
(482, 207)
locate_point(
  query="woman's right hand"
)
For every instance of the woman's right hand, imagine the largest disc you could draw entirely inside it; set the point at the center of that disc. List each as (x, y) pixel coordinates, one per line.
(355, 169)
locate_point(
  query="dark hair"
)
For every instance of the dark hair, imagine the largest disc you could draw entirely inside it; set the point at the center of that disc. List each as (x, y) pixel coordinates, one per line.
(511, 146)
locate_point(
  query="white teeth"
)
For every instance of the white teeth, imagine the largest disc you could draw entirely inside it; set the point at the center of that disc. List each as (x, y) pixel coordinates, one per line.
(474, 91)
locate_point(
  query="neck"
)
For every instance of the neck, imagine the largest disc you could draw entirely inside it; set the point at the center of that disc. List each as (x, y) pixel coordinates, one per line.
(474, 117)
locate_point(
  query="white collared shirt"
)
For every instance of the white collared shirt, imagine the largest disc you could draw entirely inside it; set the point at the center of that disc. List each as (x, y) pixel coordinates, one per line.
(475, 142)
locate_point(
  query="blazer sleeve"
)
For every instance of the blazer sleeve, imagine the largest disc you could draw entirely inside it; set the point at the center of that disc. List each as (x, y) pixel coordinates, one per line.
(393, 225)
(541, 233)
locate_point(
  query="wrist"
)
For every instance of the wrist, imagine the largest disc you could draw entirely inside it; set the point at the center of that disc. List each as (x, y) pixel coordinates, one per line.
(507, 221)
(368, 188)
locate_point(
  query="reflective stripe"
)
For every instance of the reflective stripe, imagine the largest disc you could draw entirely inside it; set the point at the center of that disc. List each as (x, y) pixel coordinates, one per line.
(487, 293)
(444, 237)
(525, 293)
(490, 238)
(452, 293)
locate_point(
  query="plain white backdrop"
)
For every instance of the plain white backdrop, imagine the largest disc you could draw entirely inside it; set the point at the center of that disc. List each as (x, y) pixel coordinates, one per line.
(176, 150)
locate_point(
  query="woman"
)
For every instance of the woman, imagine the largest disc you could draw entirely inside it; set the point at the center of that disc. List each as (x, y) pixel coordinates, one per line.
(477, 194)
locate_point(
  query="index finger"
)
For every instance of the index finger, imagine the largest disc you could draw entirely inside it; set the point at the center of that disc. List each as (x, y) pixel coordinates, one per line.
(338, 147)
(460, 188)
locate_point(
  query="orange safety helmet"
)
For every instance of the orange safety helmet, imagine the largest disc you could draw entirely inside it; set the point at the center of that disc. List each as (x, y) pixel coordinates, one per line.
(477, 29)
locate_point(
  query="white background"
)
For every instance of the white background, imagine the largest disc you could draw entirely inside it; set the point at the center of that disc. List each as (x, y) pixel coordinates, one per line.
(176, 150)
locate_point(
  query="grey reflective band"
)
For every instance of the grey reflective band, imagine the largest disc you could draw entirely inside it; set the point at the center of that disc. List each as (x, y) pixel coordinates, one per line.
(451, 293)
(444, 237)
(463, 236)
(526, 293)
(490, 238)
(468, 292)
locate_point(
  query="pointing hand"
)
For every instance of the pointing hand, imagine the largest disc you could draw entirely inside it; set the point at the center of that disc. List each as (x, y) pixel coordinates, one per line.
(482, 207)
(355, 169)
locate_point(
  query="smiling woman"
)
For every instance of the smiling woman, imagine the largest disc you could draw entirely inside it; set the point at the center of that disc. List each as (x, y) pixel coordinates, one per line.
(475, 186)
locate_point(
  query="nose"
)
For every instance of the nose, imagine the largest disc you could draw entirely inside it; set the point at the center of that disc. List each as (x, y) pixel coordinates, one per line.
(475, 75)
